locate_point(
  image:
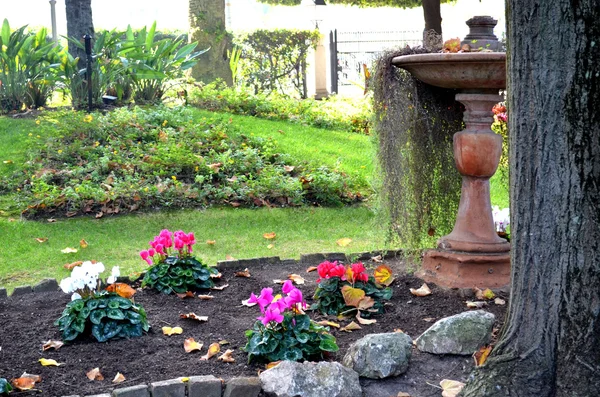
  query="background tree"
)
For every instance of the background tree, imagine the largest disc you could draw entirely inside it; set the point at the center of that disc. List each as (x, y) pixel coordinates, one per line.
(550, 345)
(207, 27)
(79, 23)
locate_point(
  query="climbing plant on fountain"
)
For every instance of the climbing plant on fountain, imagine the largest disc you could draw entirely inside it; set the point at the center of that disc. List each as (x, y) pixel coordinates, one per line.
(284, 331)
(107, 314)
(414, 124)
(172, 266)
(349, 289)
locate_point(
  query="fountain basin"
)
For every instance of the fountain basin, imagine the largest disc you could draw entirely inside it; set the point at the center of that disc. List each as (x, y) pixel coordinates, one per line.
(464, 71)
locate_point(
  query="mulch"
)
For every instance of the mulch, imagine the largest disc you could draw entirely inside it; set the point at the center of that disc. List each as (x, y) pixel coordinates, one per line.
(27, 321)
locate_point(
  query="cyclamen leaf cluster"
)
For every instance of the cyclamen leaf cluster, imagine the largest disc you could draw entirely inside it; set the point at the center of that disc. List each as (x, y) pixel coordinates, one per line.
(172, 267)
(284, 331)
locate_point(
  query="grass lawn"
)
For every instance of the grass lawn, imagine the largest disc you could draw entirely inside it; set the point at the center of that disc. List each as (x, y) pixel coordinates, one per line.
(237, 232)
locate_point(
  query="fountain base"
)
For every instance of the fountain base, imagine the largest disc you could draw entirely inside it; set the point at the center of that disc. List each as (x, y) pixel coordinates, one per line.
(455, 269)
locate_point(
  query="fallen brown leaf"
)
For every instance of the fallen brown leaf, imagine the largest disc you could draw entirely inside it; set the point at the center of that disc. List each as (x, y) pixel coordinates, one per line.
(499, 301)
(206, 297)
(68, 250)
(189, 345)
(216, 276)
(421, 291)
(41, 239)
(211, 242)
(70, 266)
(23, 383)
(194, 316)
(227, 356)
(270, 236)
(229, 258)
(172, 331)
(119, 378)
(187, 294)
(311, 269)
(296, 278)
(351, 327)
(245, 273)
(52, 344)
(343, 242)
(220, 287)
(273, 364)
(328, 323)
(481, 355)
(451, 388)
(94, 374)
(364, 321)
(51, 220)
(83, 243)
(475, 305)
(212, 350)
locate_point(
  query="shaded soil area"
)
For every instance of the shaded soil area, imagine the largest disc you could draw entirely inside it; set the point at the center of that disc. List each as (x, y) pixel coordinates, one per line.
(27, 321)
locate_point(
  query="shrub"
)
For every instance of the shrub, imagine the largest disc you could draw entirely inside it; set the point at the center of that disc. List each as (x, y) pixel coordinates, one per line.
(106, 315)
(344, 289)
(284, 331)
(172, 267)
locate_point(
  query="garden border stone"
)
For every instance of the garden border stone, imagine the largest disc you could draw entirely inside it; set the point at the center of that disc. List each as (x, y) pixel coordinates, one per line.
(243, 387)
(46, 285)
(132, 391)
(168, 388)
(22, 290)
(204, 386)
(3, 293)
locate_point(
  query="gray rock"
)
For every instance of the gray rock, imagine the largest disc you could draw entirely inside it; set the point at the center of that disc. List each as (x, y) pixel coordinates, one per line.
(100, 395)
(22, 290)
(132, 391)
(204, 386)
(462, 333)
(168, 388)
(379, 356)
(324, 379)
(46, 285)
(242, 387)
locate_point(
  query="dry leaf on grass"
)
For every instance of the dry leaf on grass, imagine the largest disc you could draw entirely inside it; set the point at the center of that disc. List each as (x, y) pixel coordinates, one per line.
(451, 388)
(50, 220)
(194, 316)
(328, 323)
(52, 344)
(189, 345)
(212, 350)
(422, 291)
(206, 297)
(227, 357)
(270, 246)
(229, 258)
(68, 250)
(211, 242)
(94, 374)
(48, 362)
(296, 278)
(70, 266)
(220, 287)
(269, 236)
(41, 239)
(351, 327)
(245, 273)
(344, 242)
(119, 378)
(83, 243)
(172, 330)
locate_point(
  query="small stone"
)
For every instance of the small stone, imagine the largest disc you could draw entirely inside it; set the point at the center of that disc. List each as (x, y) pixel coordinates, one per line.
(168, 388)
(22, 290)
(132, 391)
(379, 356)
(46, 285)
(323, 379)
(462, 333)
(242, 387)
(204, 386)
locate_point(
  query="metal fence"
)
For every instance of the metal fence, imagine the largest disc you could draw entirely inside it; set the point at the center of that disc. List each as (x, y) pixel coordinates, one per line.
(353, 52)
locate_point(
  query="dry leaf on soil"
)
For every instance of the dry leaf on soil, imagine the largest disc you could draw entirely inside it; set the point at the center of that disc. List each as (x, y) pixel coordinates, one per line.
(52, 344)
(212, 350)
(422, 291)
(475, 305)
(23, 383)
(94, 374)
(351, 327)
(429, 319)
(189, 345)
(311, 269)
(70, 266)
(41, 239)
(223, 342)
(206, 297)
(220, 287)
(83, 243)
(344, 242)
(500, 302)
(68, 250)
(296, 278)
(451, 388)
(248, 304)
(245, 273)
(118, 378)
(328, 323)
(121, 289)
(172, 331)
(366, 303)
(364, 321)
(270, 236)
(352, 296)
(383, 275)
(273, 364)
(187, 294)
(227, 356)
(481, 355)
(194, 316)
(216, 276)
(48, 362)
(485, 294)
(35, 378)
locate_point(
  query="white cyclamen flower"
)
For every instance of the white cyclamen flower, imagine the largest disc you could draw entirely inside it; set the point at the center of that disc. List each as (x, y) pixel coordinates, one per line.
(66, 285)
(115, 272)
(75, 296)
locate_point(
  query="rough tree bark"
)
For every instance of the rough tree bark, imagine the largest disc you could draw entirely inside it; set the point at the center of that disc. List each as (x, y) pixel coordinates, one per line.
(79, 23)
(432, 34)
(207, 26)
(551, 343)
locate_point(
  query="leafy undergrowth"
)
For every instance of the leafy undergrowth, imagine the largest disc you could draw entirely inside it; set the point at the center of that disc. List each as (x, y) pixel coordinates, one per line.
(135, 159)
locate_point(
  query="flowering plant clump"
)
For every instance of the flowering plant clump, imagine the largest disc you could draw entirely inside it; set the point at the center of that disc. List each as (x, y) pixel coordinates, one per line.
(172, 266)
(106, 315)
(501, 221)
(284, 331)
(343, 289)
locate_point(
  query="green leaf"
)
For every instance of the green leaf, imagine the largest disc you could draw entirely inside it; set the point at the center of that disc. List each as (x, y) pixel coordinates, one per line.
(5, 387)
(92, 304)
(150, 36)
(5, 33)
(97, 315)
(78, 324)
(115, 314)
(294, 354)
(328, 344)
(84, 313)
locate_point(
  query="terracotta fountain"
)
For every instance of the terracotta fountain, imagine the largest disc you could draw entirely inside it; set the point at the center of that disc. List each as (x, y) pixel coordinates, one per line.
(472, 255)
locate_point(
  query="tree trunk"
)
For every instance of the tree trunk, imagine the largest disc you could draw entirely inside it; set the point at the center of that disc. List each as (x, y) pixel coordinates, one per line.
(207, 26)
(79, 23)
(550, 345)
(433, 15)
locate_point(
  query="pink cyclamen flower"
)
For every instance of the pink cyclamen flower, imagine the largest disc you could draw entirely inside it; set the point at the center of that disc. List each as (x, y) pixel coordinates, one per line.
(265, 298)
(293, 298)
(178, 243)
(271, 314)
(160, 249)
(287, 286)
(151, 252)
(144, 254)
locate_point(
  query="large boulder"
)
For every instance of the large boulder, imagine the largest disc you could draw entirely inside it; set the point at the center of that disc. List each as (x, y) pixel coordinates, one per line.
(462, 333)
(378, 356)
(324, 379)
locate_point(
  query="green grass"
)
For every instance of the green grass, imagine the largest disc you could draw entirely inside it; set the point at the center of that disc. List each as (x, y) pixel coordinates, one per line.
(237, 232)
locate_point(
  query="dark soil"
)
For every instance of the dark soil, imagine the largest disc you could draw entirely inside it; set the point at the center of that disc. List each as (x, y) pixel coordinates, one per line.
(27, 321)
